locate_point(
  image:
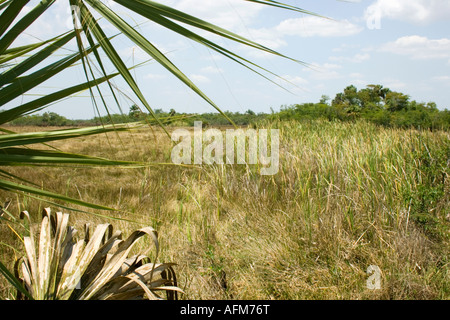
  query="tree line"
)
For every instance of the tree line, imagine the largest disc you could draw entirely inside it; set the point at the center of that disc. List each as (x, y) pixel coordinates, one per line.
(374, 103)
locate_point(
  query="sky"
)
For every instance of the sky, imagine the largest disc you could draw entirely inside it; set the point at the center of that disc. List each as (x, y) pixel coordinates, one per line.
(403, 45)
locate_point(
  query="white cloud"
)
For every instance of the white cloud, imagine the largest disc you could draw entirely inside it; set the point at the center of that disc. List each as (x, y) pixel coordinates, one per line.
(296, 80)
(416, 11)
(357, 79)
(198, 78)
(443, 80)
(317, 27)
(419, 48)
(345, 47)
(267, 37)
(326, 71)
(133, 53)
(357, 58)
(274, 37)
(229, 14)
(211, 70)
(394, 84)
(356, 75)
(292, 83)
(155, 76)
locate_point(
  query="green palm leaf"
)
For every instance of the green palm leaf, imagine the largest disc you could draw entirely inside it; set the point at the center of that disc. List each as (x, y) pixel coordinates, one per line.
(21, 51)
(23, 23)
(31, 106)
(10, 14)
(34, 60)
(14, 281)
(23, 84)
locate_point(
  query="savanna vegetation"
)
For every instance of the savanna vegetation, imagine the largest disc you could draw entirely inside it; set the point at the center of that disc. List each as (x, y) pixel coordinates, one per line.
(348, 194)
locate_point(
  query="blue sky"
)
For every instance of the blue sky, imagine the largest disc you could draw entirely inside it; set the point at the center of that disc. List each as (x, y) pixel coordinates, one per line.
(401, 44)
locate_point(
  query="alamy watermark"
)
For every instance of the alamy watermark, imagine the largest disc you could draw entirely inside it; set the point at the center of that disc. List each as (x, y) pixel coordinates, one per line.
(373, 282)
(229, 147)
(373, 18)
(73, 22)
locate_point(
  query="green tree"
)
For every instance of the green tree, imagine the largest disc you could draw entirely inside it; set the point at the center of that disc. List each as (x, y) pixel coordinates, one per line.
(135, 113)
(379, 91)
(369, 97)
(338, 99)
(53, 119)
(396, 101)
(324, 99)
(347, 101)
(351, 96)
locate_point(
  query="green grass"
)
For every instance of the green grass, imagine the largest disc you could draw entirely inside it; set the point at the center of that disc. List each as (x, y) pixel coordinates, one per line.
(347, 196)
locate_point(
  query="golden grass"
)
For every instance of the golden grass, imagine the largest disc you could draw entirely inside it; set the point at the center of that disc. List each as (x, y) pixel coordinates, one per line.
(336, 206)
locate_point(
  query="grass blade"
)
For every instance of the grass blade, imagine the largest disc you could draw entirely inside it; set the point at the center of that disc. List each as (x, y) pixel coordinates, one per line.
(14, 281)
(17, 52)
(16, 188)
(21, 156)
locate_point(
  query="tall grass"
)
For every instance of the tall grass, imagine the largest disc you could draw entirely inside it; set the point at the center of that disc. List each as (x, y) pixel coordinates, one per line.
(346, 196)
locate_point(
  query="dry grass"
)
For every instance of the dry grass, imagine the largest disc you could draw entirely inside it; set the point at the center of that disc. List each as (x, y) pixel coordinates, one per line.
(336, 206)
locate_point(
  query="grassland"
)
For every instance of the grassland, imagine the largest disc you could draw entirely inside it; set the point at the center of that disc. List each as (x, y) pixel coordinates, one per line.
(347, 196)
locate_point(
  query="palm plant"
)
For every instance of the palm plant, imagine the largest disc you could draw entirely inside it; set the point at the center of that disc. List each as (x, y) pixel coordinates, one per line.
(27, 67)
(59, 267)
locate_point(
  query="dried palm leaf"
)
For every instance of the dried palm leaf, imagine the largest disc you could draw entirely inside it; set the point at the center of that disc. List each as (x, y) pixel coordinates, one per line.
(57, 266)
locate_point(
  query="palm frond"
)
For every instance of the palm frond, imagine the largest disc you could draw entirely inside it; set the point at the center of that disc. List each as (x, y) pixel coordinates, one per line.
(61, 267)
(20, 26)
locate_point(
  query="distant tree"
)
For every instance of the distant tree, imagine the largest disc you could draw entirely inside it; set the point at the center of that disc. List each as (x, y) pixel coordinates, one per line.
(324, 99)
(396, 101)
(379, 91)
(339, 99)
(347, 101)
(52, 119)
(351, 95)
(347, 98)
(370, 96)
(135, 113)
(432, 106)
